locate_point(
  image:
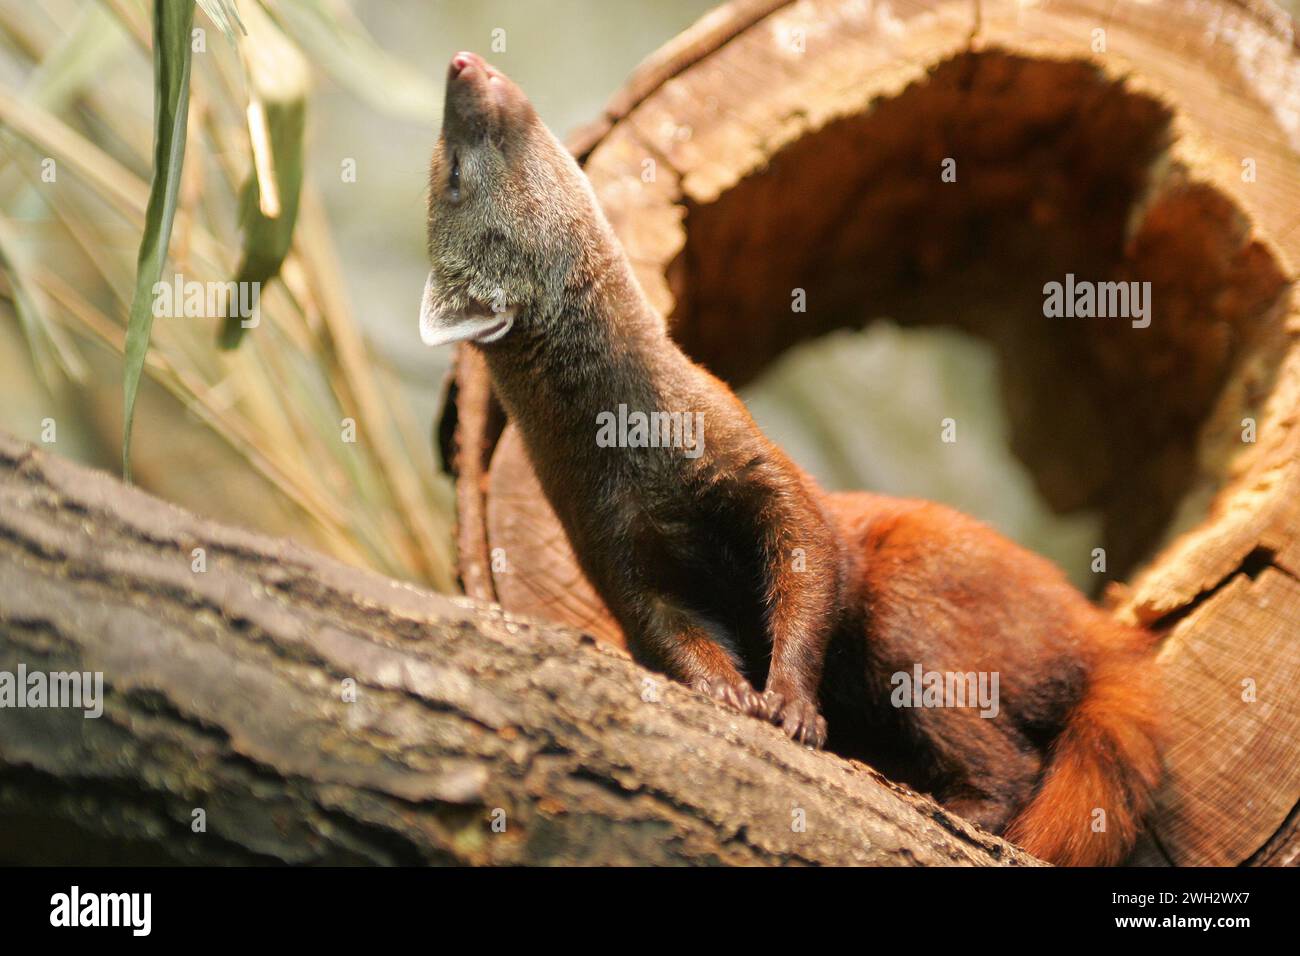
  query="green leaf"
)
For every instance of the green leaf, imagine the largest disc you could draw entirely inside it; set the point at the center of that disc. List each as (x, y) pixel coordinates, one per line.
(278, 80)
(172, 21)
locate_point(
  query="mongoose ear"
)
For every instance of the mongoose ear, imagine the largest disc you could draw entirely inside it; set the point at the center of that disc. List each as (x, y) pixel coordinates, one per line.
(440, 325)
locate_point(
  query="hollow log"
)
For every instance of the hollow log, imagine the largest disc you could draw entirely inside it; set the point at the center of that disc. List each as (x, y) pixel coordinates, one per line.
(780, 146)
(263, 703)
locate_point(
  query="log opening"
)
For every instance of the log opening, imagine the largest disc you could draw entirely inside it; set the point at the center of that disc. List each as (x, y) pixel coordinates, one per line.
(1059, 171)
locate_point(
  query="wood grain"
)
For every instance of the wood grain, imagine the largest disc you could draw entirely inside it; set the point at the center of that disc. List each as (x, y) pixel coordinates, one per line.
(1091, 136)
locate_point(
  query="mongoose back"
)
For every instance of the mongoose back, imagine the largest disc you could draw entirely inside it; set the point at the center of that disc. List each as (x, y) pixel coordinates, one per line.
(727, 567)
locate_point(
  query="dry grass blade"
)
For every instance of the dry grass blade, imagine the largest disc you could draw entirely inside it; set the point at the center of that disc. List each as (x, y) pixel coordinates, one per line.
(225, 15)
(51, 348)
(342, 48)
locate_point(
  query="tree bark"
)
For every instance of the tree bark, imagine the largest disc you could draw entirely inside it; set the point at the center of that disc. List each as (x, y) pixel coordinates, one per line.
(225, 691)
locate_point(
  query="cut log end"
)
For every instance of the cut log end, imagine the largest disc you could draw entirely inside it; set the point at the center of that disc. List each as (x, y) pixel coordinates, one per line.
(915, 164)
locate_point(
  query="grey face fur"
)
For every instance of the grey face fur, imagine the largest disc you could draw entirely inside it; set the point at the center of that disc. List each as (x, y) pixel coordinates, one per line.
(510, 214)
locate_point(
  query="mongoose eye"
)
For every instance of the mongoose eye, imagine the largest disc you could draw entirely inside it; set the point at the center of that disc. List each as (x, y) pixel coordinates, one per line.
(453, 181)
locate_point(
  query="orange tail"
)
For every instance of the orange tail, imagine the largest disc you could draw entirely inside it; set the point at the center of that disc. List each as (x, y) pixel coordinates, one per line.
(1107, 758)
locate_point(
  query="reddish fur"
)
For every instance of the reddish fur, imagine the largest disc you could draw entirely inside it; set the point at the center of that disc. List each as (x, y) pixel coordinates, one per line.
(936, 586)
(1106, 757)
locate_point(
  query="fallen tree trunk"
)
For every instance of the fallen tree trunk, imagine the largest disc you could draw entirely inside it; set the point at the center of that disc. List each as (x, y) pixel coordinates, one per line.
(266, 704)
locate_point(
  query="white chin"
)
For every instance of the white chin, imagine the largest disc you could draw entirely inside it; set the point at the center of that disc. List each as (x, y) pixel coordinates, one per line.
(444, 328)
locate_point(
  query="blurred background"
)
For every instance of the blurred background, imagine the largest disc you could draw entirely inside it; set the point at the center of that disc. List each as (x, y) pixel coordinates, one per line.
(259, 436)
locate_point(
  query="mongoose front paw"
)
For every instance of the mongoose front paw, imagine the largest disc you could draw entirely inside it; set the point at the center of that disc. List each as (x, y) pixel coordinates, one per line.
(738, 696)
(799, 719)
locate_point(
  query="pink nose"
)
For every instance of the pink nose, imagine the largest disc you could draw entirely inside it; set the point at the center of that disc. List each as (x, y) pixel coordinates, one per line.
(464, 59)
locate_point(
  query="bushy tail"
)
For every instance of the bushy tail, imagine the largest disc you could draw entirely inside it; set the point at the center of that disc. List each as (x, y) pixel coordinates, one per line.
(1107, 758)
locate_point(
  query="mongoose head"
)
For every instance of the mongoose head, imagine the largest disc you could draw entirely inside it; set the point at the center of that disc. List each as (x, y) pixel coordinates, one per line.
(513, 224)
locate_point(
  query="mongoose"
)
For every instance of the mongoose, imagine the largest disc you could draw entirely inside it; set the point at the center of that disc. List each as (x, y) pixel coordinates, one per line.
(727, 567)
